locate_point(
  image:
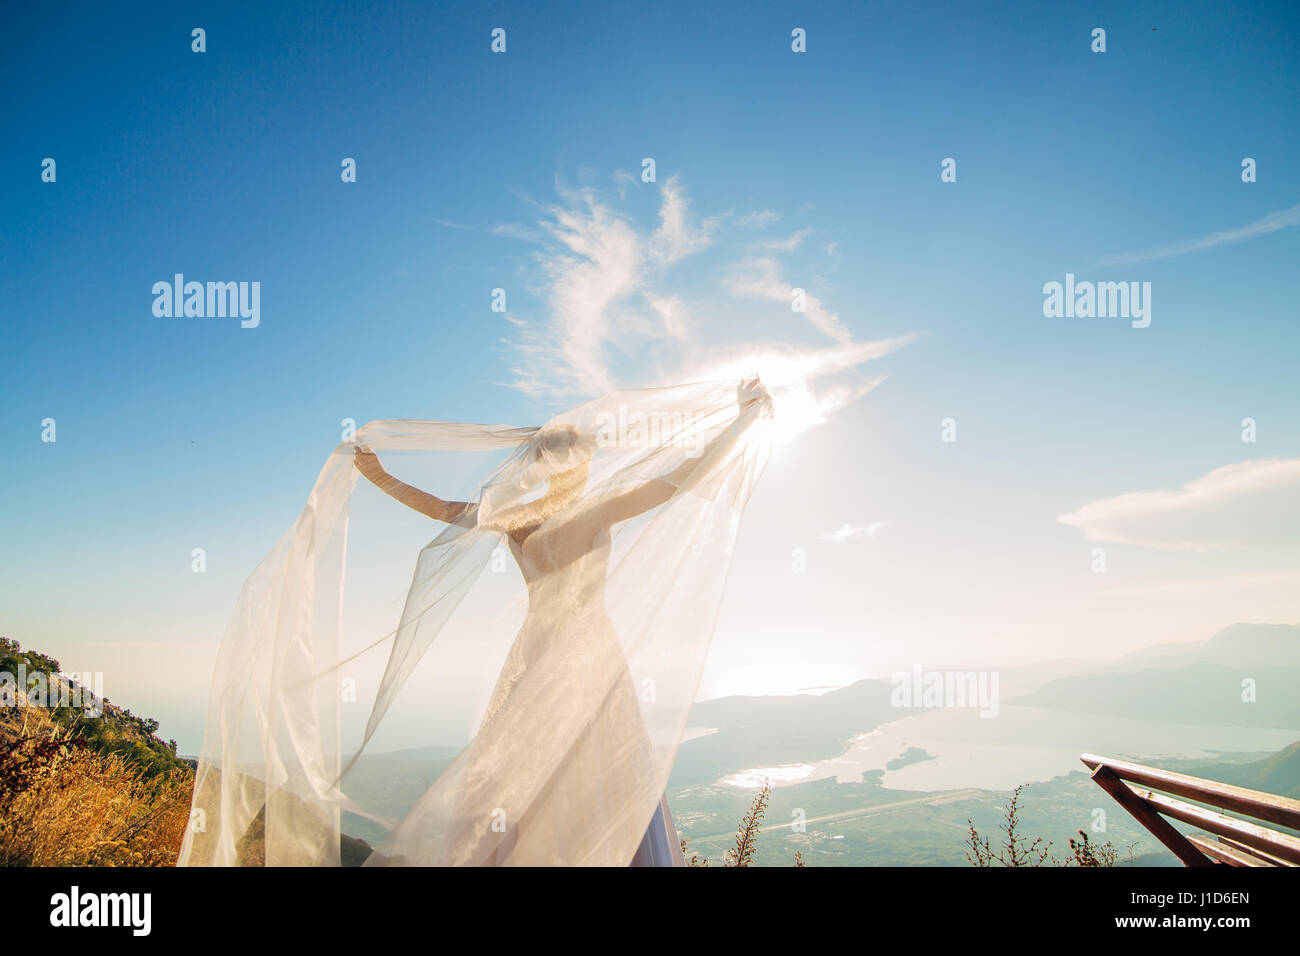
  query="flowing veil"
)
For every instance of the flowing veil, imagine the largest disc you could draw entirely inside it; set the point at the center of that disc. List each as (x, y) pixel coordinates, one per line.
(486, 696)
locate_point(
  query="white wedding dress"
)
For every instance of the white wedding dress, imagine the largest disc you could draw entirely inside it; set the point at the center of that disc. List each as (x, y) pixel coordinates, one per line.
(571, 757)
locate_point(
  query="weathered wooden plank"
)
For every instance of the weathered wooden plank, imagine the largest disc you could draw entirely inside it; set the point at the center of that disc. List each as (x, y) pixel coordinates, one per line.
(1225, 853)
(1268, 858)
(1252, 803)
(1160, 828)
(1243, 831)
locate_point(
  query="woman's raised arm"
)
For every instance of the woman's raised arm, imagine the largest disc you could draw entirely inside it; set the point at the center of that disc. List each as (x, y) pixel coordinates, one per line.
(368, 464)
(753, 400)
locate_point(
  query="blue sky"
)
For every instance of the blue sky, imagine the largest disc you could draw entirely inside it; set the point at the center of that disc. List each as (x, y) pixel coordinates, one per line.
(375, 295)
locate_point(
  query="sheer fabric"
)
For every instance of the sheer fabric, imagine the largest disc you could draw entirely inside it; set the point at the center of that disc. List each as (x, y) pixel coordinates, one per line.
(620, 516)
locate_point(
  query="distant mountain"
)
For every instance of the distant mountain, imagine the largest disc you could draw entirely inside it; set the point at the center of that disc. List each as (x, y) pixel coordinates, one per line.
(1192, 683)
(1023, 678)
(1238, 645)
(1200, 694)
(767, 731)
(1278, 774)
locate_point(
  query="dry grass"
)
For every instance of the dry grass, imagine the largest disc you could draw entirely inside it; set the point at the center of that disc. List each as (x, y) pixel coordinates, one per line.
(62, 803)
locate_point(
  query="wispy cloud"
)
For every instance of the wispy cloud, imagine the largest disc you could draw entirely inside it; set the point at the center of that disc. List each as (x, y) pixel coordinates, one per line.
(594, 260)
(623, 181)
(758, 220)
(1260, 227)
(1249, 504)
(848, 532)
(608, 301)
(512, 230)
(761, 278)
(454, 225)
(790, 242)
(677, 237)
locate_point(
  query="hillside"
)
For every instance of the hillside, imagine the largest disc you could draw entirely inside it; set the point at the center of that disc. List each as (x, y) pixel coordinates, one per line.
(111, 729)
(98, 788)
(1279, 773)
(1201, 693)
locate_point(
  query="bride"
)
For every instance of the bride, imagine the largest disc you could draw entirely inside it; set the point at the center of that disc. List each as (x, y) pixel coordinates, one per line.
(571, 756)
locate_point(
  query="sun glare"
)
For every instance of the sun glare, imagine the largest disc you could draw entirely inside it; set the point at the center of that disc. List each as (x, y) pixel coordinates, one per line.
(795, 406)
(795, 410)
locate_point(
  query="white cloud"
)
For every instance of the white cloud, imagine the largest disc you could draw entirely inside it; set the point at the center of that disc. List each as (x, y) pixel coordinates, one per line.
(622, 181)
(453, 225)
(1270, 223)
(512, 231)
(848, 532)
(595, 261)
(790, 242)
(758, 220)
(676, 236)
(1249, 504)
(761, 279)
(672, 313)
(603, 283)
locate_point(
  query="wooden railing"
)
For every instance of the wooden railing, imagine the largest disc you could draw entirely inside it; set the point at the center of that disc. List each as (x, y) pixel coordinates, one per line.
(1151, 796)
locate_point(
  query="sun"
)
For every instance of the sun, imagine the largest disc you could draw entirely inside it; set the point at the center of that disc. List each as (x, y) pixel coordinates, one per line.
(795, 409)
(795, 406)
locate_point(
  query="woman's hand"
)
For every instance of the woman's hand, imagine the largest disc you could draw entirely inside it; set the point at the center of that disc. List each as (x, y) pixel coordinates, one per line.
(750, 392)
(368, 463)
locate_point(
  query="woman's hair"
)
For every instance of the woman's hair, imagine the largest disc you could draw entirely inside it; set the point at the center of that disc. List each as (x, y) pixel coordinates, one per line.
(561, 447)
